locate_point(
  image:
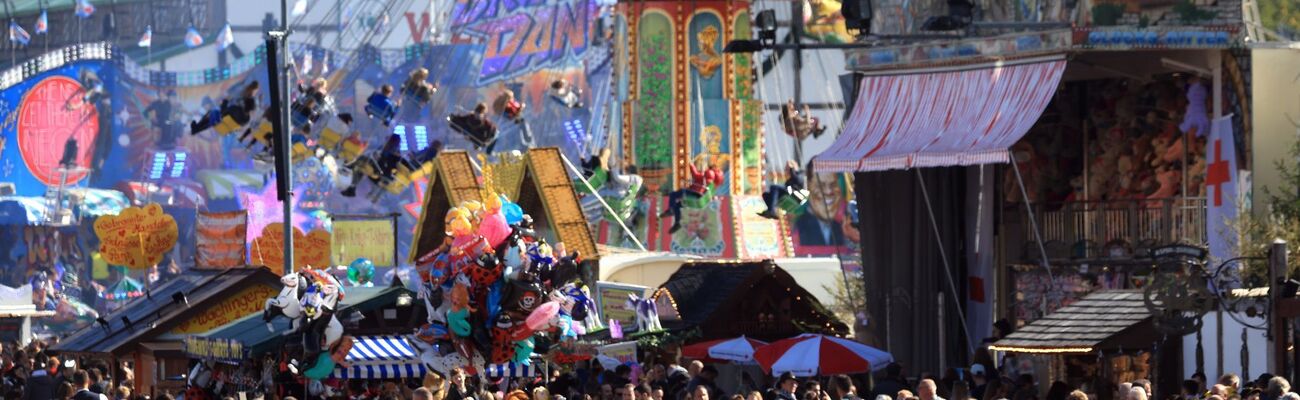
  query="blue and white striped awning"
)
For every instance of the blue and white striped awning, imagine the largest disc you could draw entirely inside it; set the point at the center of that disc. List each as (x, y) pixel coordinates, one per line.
(510, 370)
(413, 369)
(381, 350)
(381, 357)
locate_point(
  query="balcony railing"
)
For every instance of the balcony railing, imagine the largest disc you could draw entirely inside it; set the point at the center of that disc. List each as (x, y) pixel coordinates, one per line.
(1112, 229)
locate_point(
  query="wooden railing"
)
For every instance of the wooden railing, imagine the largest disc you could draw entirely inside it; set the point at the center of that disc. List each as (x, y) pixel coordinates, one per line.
(1102, 229)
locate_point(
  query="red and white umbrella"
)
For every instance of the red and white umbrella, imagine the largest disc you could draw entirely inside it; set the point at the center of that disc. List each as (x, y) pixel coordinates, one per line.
(739, 349)
(810, 355)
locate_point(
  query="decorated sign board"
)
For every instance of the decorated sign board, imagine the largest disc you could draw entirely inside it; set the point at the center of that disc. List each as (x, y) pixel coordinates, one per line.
(222, 350)
(241, 304)
(310, 249)
(369, 239)
(611, 300)
(137, 237)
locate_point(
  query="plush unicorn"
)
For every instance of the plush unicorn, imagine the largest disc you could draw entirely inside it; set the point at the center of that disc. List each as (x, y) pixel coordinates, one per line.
(286, 304)
(647, 316)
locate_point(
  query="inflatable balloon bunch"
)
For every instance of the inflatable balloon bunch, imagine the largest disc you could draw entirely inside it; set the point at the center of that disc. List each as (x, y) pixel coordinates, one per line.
(310, 299)
(495, 292)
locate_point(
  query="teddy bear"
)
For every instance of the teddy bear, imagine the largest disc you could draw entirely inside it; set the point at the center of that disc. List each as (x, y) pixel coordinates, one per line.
(1159, 145)
(1168, 178)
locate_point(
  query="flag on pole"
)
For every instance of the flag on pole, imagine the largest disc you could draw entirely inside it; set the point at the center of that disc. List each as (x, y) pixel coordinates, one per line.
(306, 63)
(299, 8)
(43, 23)
(17, 34)
(85, 9)
(146, 40)
(1221, 190)
(193, 38)
(226, 38)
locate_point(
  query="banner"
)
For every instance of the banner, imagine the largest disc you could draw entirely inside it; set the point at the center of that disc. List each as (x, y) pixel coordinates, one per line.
(1221, 190)
(311, 249)
(612, 299)
(219, 239)
(370, 239)
(222, 350)
(137, 237)
(235, 306)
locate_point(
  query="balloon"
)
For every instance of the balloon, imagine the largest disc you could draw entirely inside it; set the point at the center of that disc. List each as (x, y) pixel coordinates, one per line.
(512, 212)
(494, 228)
(459, 322)
(361, 271)
(523, 350)
(324, 365)
(541, 317)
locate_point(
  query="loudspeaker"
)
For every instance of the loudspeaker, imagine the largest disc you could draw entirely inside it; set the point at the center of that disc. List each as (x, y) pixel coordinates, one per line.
(857, 15)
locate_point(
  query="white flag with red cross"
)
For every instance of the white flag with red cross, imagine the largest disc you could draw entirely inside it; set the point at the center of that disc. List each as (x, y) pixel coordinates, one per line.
(1221, 190)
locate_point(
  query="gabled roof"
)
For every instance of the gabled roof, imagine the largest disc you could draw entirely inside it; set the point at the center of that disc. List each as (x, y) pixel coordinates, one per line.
(451, 181)
(1090, 323)
(699, 289)
(157, 313)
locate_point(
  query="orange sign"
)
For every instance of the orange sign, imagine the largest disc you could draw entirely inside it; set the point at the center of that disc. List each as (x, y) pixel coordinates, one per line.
(247, 301)
(312, 249)
(137, 237)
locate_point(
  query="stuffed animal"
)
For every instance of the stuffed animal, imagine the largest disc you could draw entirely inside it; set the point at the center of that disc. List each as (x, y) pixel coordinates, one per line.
(1169, 180)
(458, 316)
(1195, 119)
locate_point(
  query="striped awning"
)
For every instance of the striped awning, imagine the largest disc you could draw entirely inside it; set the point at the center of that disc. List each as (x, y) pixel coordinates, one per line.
(381, 350)
(510, 370)
(381, 357)
(936, 117)
(99, 202)
(387, 371)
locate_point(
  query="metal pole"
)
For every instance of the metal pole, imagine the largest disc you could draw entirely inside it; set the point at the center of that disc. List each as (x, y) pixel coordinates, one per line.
(796, 31)
(285, 151)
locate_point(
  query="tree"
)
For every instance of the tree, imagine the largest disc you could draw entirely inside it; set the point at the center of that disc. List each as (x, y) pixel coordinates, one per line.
(1256, 232)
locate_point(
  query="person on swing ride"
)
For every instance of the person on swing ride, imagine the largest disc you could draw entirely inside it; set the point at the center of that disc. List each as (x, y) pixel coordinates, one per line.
(241, 110)
(476, 127)
(800, 124)
(596, 162)
(702, 176)
(381, 105)
(385, 161)
(793, 183)
(562, 92)
(513, 110)
(311, 103)
(416, 93)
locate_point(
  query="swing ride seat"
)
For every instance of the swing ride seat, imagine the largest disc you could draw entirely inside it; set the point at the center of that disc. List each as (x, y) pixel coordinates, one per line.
(597, 180)
(300, 151)
(369, 169)
(792, 202)
(227, 125)
(459, 123)
(263, 133)
(400, 180)
(351, 150)
(699, 202)
(329, 138)
(383, 112)
(423, 171)
(624, 206)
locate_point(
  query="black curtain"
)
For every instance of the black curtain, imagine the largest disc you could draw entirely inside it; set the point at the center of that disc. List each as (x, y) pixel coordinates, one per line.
(903, 267)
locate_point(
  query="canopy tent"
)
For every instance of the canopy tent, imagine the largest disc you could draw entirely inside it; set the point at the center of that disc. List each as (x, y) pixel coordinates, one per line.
(935, 117)
(21, 210)
(99, 202)
(511, 370)
(381, 357)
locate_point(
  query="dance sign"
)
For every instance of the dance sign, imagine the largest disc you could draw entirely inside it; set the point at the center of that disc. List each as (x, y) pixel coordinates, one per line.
(137, 237)
(369, 239)
(311, 249)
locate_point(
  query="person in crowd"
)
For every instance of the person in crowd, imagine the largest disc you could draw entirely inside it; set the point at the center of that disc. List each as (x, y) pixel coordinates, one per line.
(892, 383)
(1144, 384)
(1230, 381)
(841, 388)
(979, 383)
(123, 393)
(754, 395)
(812, 385)
(1190, 390)
(1059, 391)
(657, 393)
(422, 394)
(540, 393)
(40, 385)
(1219, 390)
(1200, 379)
(457, 389)
(1077, 395)
(786, 387)
(1277, 386)
(927, 390)
(81, 381)
(904, 394)
(642, 392)
(1137, 393)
